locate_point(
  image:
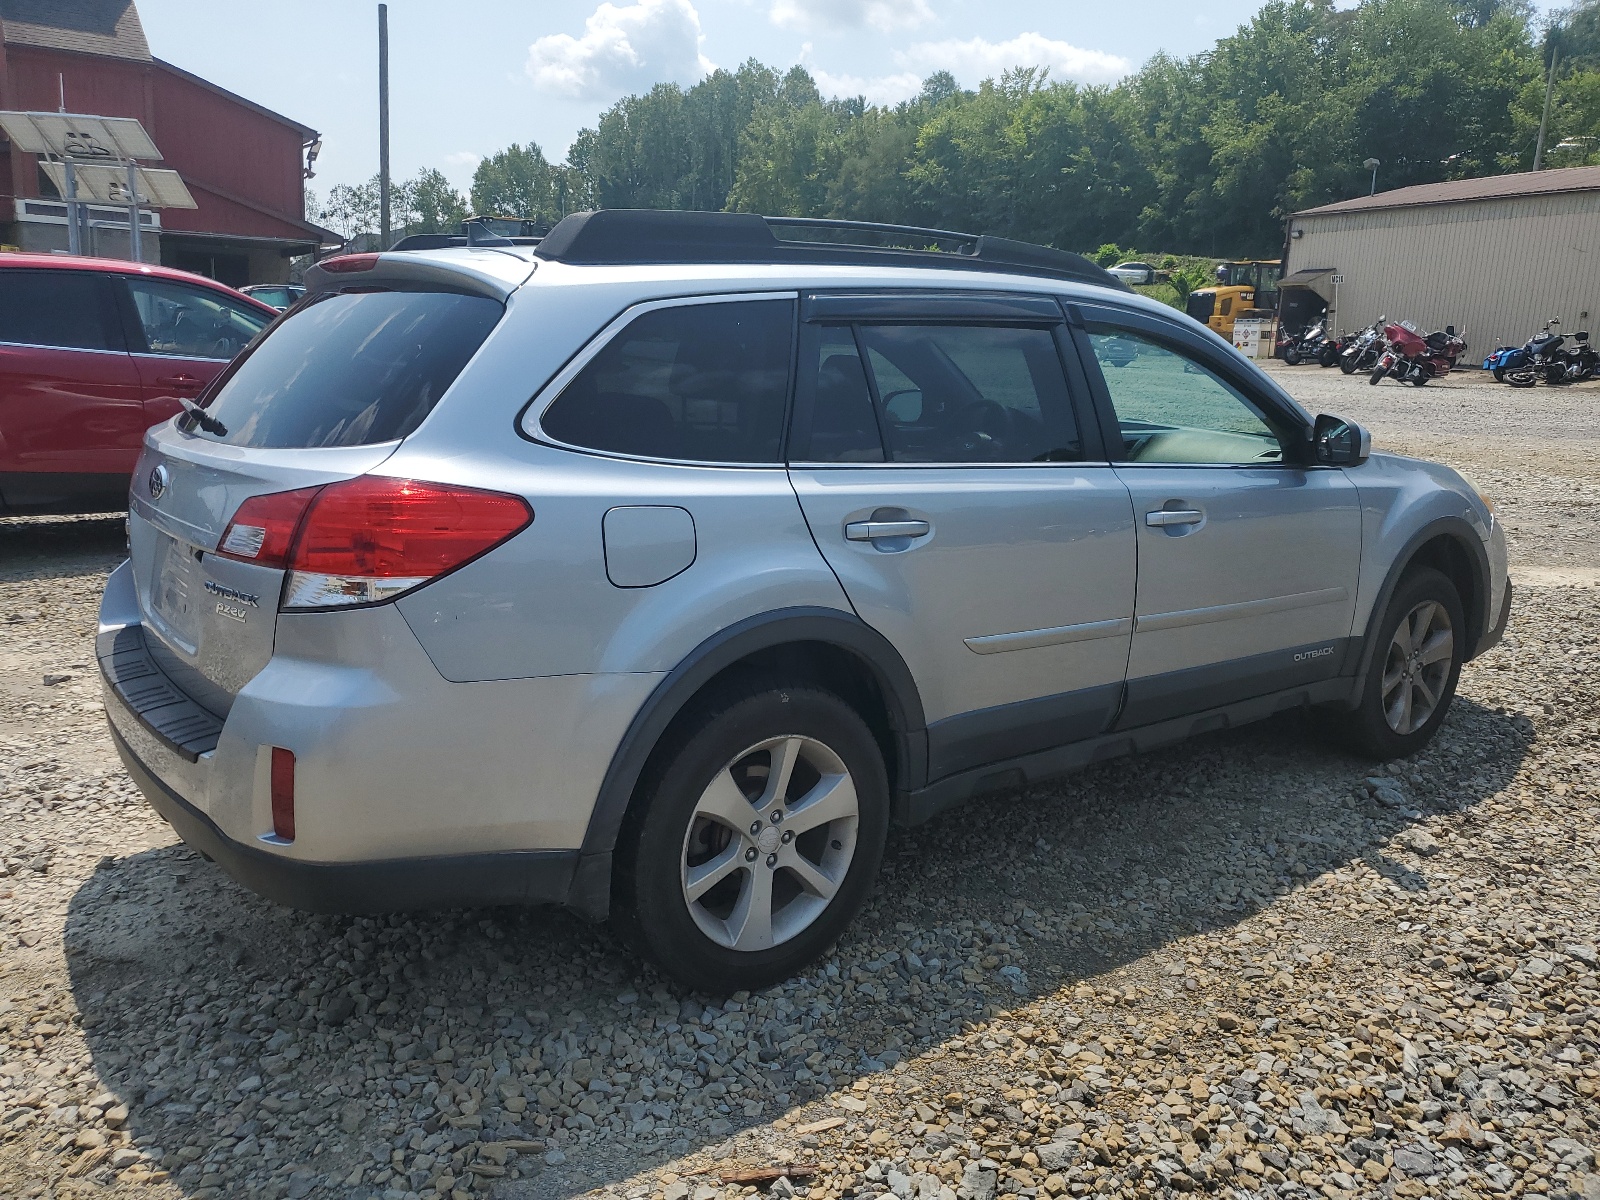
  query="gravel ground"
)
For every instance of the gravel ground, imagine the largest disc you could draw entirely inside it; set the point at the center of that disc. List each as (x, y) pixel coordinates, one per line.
(1251, 966)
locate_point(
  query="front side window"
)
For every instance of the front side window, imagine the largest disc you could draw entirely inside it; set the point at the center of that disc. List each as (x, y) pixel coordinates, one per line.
(1173, 409)
(941, 394)
(65, 309)
(704, 382)
(192, 322)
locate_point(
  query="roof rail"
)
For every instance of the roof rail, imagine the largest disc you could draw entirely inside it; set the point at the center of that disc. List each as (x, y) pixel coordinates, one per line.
(635, 235)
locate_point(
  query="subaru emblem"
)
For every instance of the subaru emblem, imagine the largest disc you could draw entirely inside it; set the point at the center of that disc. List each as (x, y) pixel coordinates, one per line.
(158, 481)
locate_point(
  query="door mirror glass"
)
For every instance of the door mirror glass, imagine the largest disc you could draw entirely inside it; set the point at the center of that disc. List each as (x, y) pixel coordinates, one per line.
(903, 407)
(1340, 443)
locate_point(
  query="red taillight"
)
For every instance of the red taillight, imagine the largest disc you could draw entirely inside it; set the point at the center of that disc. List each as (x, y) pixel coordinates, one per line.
(349, 262)
(388, 528)
(370, 538)
(263, 529)
(283, 793)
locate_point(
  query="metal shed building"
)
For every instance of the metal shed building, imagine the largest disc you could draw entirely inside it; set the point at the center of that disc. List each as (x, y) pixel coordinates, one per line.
(1495, 257)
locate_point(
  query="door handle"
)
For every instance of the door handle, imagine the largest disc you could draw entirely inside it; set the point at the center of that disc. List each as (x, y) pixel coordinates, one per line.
(871, 531)
(179, 381)
(1162, 518)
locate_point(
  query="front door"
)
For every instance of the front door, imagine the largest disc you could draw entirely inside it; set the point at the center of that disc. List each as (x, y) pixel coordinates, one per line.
(71, 420)
(1248, 560)
(182, 337)
(952, 488)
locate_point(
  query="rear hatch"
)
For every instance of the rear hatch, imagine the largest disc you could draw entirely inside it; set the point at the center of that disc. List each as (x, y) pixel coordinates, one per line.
(327, 394)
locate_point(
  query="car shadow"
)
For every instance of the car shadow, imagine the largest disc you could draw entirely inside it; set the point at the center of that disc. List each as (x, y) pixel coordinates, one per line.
(50, 547)
(234, 1030)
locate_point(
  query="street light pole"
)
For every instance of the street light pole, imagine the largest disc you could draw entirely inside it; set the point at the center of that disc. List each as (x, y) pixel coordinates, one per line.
(1372, 165)
(383, 126)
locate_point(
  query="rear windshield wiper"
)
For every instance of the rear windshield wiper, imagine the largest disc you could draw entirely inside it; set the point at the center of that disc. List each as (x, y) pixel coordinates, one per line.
(204, 419)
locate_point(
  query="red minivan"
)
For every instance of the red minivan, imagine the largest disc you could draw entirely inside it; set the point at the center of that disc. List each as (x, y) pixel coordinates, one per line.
(93, 352)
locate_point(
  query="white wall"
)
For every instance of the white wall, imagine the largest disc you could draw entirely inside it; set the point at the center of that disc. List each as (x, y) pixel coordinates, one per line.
(1495, 269)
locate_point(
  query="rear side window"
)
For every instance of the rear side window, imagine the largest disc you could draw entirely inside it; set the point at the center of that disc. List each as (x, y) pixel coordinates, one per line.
(69, 310)
(704, 382)
(941, 394)
(351, 369)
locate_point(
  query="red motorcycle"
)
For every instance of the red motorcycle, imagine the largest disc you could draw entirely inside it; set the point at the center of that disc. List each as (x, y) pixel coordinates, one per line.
(1413, 358)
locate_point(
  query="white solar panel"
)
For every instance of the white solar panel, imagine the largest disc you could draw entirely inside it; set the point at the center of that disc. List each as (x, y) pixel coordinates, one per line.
(78, 136)
(109, 184)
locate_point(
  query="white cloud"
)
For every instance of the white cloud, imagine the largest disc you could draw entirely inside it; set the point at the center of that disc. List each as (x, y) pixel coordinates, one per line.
(978, 58)
(883, 15)
(623, 49)
(878, 89)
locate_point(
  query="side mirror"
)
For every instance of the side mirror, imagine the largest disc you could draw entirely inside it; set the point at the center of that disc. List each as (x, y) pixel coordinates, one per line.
(1336, 442)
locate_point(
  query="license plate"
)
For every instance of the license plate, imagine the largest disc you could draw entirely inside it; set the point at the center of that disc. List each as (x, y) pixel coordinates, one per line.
(174, 594)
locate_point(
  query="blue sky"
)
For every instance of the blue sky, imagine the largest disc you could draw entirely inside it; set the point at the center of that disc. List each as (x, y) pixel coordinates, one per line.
(470, 78)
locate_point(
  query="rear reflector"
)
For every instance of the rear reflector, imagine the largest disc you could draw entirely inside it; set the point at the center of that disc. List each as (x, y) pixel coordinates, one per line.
(283, 793)
(369, 539)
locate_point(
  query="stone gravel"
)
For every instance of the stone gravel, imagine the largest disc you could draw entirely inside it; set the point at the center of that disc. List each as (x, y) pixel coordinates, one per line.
(1250, 966)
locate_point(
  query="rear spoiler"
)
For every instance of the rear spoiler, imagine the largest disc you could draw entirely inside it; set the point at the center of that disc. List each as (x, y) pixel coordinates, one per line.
(494, 273)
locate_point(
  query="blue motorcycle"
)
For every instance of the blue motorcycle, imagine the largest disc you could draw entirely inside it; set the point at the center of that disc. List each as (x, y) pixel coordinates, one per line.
(1526, 359)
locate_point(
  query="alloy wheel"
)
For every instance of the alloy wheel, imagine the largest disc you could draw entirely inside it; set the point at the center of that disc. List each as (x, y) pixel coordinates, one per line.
(1417, 667)
(770, 843)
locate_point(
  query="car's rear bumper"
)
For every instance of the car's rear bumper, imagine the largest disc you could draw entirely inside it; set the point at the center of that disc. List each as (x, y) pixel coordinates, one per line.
(392, 885)
(410, 791)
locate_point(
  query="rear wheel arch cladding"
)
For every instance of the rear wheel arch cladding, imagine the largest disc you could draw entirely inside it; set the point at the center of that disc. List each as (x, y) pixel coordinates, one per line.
(750, 645)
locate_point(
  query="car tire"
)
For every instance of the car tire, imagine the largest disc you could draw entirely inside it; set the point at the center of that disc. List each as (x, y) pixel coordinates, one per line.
(703, 865)
(1386, 724)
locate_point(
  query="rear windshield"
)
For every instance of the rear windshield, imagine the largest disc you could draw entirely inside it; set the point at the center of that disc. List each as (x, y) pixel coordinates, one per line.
(351, 369)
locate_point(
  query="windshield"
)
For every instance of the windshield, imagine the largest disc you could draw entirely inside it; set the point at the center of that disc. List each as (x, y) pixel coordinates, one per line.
(351, 369)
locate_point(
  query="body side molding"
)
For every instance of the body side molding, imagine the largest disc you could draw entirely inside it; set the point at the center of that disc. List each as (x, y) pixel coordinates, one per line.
(1244, 608)
(1034, 639)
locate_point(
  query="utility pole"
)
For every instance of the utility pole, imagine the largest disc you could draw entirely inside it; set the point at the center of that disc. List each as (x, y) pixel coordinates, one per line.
(1549, 88)
(383, 126)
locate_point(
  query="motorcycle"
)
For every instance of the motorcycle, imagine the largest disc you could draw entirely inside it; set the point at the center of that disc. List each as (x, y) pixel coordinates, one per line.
(1574, 363)
(1362, 348)
(1307, 346)
(1521, 366)
(1413, 358)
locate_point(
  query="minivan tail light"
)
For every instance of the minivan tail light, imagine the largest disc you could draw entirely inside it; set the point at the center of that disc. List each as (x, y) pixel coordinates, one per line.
(369, 539)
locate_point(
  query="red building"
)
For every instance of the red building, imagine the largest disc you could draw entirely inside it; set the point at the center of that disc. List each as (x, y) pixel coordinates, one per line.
(244, 164)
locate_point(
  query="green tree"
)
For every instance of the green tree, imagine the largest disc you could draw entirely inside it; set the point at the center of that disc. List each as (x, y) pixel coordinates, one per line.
(433, 205)
(516, 182)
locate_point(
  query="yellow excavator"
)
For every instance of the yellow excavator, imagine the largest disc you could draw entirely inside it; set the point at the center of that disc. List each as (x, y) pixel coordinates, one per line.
(1247, 287)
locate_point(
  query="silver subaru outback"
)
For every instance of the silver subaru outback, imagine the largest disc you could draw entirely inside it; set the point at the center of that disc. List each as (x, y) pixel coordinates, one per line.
(655, 569)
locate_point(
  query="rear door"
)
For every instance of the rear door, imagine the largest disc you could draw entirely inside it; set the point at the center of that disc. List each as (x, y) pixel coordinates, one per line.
(71, 416)
(967, 511)
(1248, 559)
(181, 335)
